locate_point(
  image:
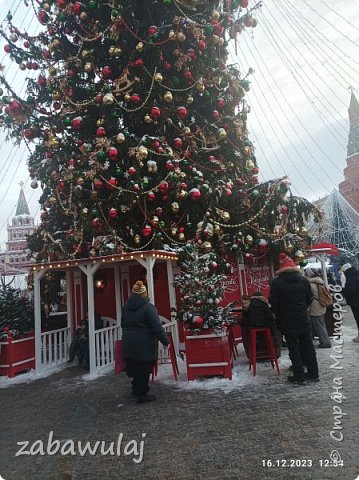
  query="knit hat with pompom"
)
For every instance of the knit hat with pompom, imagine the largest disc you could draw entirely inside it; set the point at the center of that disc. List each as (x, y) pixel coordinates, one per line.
(139, 287)
(286, 263)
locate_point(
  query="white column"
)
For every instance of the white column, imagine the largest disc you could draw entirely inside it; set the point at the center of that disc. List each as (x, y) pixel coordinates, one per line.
(118, 301)
(37, 313)
(171, 288)
(90, 270)
(148, 264)
(69, 305)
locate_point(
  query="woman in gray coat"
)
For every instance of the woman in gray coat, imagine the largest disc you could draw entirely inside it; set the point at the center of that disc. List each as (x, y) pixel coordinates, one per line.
(142, 329)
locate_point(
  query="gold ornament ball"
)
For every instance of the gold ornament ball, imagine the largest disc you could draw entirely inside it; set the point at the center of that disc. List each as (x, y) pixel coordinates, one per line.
(172, 35)
(221, 41)
(217, 229)
(249, 239)
(175, 207)
(54, 143)
(247, 150)
(181, 236)
(226, 216)
(120, 138)
(168, 97)
(216, 15)
(139, 47)
(56, 96)
(100, 122)
(155, 220)
(158, 77)
(190, 100)
(207, 246)
(52, 71)
(142, 152)
(80, 181)
(174, 231)
(181, 37)
(127, 97)
(201, 87)
(88, 67)
(108, 99)
(187, 131)
(215, 39)
(85, 211)
(250, 164)
(56, 44)
(303, 231)
(147, 119)
(111, 51)
(137, 239)
(52, 200)
(22, 67)
(221, 133)
(117, 52)
(83, 16)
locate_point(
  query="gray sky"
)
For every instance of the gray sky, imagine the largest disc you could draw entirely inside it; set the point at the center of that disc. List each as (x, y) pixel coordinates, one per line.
(305, 54)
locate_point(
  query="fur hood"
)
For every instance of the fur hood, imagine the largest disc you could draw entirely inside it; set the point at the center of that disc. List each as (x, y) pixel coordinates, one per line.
(316, 280)
(261, 299)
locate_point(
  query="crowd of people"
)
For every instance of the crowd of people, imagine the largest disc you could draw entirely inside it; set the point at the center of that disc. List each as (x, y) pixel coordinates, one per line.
(299, 307)
(295, 308)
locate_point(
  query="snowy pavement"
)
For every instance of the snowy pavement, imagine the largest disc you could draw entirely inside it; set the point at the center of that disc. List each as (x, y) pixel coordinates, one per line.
(248, 428)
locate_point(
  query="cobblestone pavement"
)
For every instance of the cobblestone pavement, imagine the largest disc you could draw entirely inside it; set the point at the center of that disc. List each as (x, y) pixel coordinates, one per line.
(191, 433)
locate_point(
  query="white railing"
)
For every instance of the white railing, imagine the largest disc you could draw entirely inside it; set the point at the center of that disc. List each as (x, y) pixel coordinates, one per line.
(105, 346)
(55, 346)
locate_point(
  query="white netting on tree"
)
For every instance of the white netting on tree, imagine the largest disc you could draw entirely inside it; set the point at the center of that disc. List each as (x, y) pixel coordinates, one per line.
(340, 224)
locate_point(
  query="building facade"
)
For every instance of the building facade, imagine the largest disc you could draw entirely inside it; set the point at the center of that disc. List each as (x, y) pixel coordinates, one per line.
(15, 260)
(349, 187)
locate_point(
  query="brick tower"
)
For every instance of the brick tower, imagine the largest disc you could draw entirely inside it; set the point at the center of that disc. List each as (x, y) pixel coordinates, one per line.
(15, 259)
(349, 187)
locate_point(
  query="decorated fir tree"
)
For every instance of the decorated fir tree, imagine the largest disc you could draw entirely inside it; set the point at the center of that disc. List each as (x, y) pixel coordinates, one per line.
(138, 130)
(202, 290)
(16, 311)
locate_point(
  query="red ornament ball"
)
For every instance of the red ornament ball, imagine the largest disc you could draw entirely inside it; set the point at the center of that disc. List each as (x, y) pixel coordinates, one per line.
(195, 194)
(112, 213)
(146, 232)
(77, 123)
(106, 71)
(182, 112)
(135, 98)
(178, 143)
(112, 153)
(198, 321)
(100, 132)
(215, 114)
(155, 113)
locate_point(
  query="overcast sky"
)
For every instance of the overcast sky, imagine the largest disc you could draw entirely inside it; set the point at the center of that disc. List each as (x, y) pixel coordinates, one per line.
(305, 54)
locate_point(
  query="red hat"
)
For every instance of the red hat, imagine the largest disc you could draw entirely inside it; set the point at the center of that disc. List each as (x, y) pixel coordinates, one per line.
(286, 263)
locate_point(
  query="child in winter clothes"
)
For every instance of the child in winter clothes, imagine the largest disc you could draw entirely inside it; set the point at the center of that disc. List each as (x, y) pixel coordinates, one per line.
(259, 313)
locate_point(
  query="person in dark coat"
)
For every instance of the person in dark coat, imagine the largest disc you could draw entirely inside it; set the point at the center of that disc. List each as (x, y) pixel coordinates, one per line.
(351, 292)
(80, 345)
(259, 313)
(141, 331)
(290, 297)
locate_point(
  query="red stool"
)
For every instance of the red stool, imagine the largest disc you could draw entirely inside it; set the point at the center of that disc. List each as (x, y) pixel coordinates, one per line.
(271, 353)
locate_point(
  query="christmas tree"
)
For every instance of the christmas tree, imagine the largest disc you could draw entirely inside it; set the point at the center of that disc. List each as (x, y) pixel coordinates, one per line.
(16, 311)
(138, 131)
(202, 290)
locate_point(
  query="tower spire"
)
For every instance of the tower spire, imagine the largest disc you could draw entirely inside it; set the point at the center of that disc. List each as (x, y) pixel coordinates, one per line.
(353, 110)
(22, 207)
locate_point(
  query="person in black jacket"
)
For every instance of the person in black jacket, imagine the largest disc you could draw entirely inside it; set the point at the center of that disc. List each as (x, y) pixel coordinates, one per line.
(351, 292)
(259, 313)
(141, 331)
(290, 297)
